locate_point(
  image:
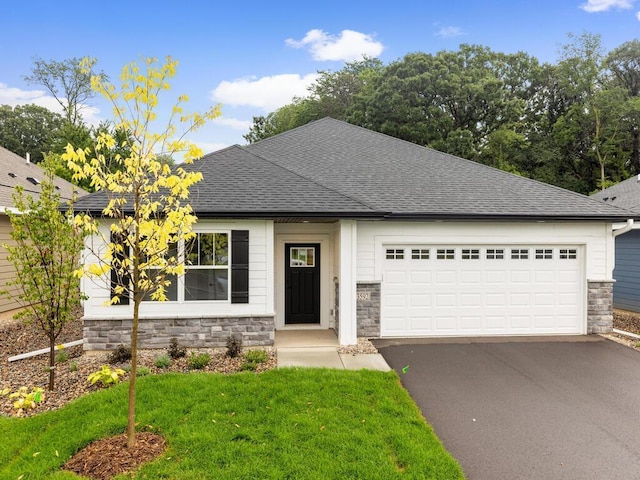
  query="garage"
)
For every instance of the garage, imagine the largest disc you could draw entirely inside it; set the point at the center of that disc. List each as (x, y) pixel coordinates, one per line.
(472, 290)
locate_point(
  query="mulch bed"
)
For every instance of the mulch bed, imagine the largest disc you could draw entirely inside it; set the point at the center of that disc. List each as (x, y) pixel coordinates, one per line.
(627, 321)
(71, 375)
(109, 457)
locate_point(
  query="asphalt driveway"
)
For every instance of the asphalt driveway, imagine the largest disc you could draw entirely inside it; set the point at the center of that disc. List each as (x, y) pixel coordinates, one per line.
(551, 408)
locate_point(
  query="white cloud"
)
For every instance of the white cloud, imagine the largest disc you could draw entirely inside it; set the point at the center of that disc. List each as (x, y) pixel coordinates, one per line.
(13, 96)
(234, 123)
(604, 5)
(346, 47)
(638, 15)
(267, 93)
(450, 32)
(208, 147)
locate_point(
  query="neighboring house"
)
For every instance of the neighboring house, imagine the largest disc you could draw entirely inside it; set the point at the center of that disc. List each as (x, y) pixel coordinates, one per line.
(17, 171)
(626, 289)
(332, 226)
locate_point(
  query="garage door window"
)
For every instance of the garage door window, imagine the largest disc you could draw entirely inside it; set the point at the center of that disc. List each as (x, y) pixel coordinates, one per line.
(445, 254)
(420, 254)
(568, 254)
(495, 254)
(519, 253)
(395, 253)
(544, 254)
(470, 254)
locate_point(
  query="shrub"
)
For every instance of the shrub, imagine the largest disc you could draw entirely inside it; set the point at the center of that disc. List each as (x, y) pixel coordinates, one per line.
(62, 355)
(121, 354)
(197, 361)
(105, 376)
(73, 367)
(175, 351)
(163, 361)
(234, 346)
(143, 371)
(25, 399)
(253, 358)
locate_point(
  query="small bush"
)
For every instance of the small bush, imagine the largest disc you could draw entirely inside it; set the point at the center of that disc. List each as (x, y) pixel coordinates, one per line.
(143, 371)
(121, 354)
(175, 351)
(256, 356)
(73, 367)
(253, 358)
(62, 355)
(197, 361)
(105, 376)
(163, 361)
(25, 399)
(234, 346)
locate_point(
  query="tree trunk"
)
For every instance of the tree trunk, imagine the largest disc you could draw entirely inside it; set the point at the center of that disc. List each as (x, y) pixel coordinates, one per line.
(635, 149)
(52, 361)
(131, 415)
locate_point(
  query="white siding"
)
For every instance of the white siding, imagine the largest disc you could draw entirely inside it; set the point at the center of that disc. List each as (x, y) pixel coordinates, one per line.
(260, 280)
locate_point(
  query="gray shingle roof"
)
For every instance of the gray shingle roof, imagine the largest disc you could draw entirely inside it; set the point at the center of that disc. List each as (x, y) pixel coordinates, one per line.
(335, 169)
(409, 180)
(237, 182)
(14, 171)
(625, 194)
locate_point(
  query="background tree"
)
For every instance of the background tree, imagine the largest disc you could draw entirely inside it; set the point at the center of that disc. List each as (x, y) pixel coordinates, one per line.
(147, 213)
(29, 129)
(45, 254)
(68, 81)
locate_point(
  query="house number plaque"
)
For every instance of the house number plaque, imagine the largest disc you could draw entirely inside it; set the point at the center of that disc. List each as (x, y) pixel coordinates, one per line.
(363, 295)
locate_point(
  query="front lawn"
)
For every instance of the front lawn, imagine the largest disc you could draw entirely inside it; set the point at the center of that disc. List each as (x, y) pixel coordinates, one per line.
(288, 423)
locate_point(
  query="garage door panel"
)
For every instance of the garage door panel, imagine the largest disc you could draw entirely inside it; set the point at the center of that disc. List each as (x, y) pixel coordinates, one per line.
(447, 277)
(445, 300)
(395, 277)
(470, 277)
(484, 295)
(420, 277)
(544, 300)
(520, 276)
(471, 300)
(419, 300)
(497, 277)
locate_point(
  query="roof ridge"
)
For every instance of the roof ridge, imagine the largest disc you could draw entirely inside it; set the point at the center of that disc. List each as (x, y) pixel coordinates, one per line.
(360, 202)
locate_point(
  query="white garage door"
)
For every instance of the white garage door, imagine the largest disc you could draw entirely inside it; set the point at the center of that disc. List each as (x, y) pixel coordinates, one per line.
(437, 290)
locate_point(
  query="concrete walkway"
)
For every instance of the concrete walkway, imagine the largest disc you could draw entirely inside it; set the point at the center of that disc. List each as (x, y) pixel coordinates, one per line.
(319, 349)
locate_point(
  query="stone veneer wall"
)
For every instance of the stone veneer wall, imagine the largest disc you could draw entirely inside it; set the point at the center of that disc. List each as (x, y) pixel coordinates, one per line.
(201, 332)
(599, 306)
(368, 309)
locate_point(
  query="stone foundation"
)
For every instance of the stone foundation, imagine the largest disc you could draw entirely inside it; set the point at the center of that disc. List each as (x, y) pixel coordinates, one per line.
(599, 306)
(202, 332)
(368, 309)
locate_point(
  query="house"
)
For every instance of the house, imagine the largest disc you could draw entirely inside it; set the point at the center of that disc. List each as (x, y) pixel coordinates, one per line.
(17, 171)
(333, 226)
(626, 289)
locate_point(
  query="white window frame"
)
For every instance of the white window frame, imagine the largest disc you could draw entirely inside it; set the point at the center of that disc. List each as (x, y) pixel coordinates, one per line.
(182, 292)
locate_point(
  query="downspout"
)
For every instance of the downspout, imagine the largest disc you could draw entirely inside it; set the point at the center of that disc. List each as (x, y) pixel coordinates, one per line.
(624, 229)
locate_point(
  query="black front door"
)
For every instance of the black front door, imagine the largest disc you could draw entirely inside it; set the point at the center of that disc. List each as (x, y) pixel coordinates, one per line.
(302, 283)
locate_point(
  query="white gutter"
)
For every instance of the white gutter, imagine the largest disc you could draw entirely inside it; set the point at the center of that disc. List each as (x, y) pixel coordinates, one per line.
(625, 229)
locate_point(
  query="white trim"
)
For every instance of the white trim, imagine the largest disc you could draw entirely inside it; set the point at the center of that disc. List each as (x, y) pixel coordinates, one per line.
(325, 278)
(348, 330)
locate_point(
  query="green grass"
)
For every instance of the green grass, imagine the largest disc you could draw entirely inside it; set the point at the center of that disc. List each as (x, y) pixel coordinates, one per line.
(282, 424)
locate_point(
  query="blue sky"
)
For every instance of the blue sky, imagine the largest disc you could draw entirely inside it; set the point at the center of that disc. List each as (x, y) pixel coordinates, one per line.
(252, 57)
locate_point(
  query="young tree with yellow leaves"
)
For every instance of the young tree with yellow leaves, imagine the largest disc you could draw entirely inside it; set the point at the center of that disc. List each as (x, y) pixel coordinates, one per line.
(148, 208)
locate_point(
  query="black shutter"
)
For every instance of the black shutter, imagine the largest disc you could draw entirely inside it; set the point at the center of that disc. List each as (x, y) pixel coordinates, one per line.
(115, 278)
(240, 266)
